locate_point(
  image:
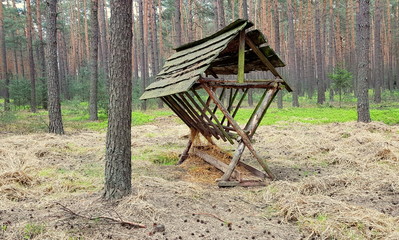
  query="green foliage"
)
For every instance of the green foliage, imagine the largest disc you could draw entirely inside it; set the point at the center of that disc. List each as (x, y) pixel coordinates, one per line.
(341, 80)
(32, 230)
(20, 91)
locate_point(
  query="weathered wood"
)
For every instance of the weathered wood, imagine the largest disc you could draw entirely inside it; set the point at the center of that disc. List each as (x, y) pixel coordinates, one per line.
(228, 183)
(192, 114)
(203, 115)
(214, 117)
(185, 155)
(252, 183)
(217, 164)
(265, 60)
(244, 137)
(221, 97)
(234, 161)
(178, 113)
(241, 57)
(219, 80)
(253, 170)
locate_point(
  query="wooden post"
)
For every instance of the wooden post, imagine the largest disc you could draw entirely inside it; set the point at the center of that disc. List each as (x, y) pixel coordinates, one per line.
(184, 155)
(241, 57)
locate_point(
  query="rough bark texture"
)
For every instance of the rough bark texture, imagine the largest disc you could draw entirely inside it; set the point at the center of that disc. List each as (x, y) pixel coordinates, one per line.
(54, 105)
(143, 65)
(4, 72)
(93, 60)
(30, 57)
(363, 26)
(118, 144)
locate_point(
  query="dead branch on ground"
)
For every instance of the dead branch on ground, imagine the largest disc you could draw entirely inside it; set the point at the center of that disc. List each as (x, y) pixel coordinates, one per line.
(113, 220)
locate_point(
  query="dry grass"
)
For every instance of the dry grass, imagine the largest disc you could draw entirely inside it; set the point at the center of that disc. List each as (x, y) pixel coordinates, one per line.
(335, 181)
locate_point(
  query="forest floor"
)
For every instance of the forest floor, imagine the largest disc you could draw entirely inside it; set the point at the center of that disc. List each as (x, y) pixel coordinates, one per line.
(334, 181)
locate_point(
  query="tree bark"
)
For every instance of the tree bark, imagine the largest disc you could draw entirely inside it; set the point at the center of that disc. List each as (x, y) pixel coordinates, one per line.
(363, 32)
(54, 105)
(30, 57)
(104, 40)
(118, 143)
(93, 60)
(4, 71)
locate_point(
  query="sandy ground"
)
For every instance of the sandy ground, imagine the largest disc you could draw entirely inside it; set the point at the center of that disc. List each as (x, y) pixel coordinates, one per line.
(334, 181)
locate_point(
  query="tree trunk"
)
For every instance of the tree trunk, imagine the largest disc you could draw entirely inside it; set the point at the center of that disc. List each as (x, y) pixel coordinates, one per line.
(143, 64)
(42, 61)
(363, 30)
(178, 38)
(378, 55)
(104, 39)
(291, 54)
(118, 170)
(276, 22)
(30, 57)
(87, 44)
(3, 53)
(93, 60)
(319, 57)
(54, 105)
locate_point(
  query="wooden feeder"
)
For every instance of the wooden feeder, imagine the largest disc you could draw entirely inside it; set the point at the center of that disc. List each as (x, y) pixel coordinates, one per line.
(183, 84)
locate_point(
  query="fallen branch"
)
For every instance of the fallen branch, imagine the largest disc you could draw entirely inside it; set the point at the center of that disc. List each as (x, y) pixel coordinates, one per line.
(114, 220)
(214, 216)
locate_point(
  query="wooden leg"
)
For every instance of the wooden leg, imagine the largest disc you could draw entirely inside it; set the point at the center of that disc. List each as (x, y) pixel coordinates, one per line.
(184, 155)
(237, 155)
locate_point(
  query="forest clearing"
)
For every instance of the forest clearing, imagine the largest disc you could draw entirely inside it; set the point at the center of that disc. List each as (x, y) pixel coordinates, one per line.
(341, 185)
(199, 119)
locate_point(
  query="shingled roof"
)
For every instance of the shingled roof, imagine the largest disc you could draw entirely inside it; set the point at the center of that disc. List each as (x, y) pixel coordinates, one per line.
(216, 54)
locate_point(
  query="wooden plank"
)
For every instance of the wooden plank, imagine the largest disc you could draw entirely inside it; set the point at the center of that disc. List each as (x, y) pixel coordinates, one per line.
(214, 117)
(198, 123)
(245, 139)
(223, 37)
(185, 155)
(253, 170)
(216, 163)
(203, 115)
(178, 113)
(241, 57)
(231, 102)
(179, 87)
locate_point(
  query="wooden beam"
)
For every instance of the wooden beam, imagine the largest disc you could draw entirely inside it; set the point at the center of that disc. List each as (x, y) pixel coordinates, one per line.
(244, 137)
(241, 57)
(265, 61)
(216, 163)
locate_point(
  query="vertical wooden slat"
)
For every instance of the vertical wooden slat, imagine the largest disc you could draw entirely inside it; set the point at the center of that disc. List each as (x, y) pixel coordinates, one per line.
(241, 57)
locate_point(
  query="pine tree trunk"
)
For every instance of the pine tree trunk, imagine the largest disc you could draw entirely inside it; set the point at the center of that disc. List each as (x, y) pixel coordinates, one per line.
(104, 40)
(3, 53)
(363, 32)
(118, 170)
(42, 61)
(54, 105)
(143, 65)
(178, 38)
(93, 60)
(276, 23)
(291, 54)
(319, 57)
(378, 55)
(30, 57)
(87, 44)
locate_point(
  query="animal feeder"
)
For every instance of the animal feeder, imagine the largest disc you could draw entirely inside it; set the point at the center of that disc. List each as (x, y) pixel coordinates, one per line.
(209, 105)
